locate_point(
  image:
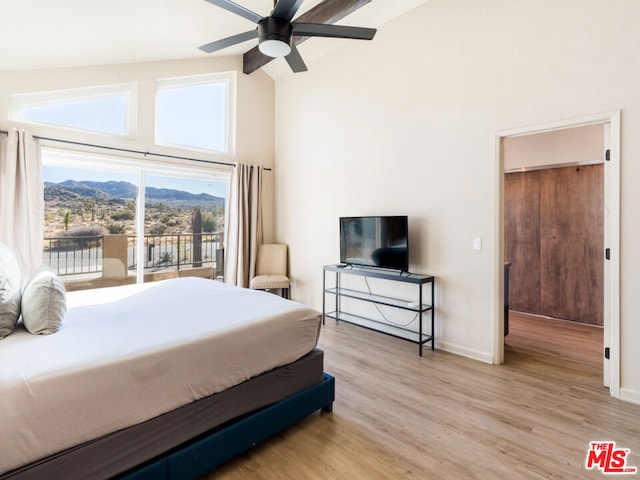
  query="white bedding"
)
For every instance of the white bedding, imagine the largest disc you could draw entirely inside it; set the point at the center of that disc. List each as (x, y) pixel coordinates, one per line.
(127, 354)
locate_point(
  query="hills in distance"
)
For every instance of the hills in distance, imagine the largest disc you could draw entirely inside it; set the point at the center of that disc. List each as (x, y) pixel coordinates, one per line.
(120, 192)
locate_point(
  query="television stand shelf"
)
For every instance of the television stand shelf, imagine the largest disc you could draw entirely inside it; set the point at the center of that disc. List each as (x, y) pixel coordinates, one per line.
(419, 337)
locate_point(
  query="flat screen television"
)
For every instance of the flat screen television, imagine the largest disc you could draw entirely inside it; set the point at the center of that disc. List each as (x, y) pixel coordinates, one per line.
(381, 241)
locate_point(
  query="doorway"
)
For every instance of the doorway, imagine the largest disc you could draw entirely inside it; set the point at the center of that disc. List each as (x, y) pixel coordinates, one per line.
(608, 125)
(554, 223)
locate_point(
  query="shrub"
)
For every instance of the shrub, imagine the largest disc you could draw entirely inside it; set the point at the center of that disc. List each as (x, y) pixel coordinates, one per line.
(76, 237)
(85, 230)
(209, 223)
(123, 215)
(157, 229)
(117, 228)
(166, 257)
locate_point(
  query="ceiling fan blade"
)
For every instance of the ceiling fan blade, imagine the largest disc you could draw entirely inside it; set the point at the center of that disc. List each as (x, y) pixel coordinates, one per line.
(335, 31)
(327, 11)
(237, 9)
(286, 9)
(229, 41)
(295, 60)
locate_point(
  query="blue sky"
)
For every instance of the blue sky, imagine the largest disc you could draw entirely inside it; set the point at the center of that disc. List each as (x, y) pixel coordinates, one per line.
(190, 115)
(193, 116)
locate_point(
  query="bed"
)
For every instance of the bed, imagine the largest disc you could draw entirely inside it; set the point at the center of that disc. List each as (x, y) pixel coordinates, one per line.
(161, 380)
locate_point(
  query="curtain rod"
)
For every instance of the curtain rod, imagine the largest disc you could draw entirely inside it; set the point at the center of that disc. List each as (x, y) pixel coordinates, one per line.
(126, 150)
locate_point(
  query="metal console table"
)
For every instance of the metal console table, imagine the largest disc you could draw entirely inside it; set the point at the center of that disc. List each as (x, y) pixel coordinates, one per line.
(420, 337)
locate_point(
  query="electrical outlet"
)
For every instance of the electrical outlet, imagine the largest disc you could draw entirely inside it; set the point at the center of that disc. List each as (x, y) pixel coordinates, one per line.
(477, 243)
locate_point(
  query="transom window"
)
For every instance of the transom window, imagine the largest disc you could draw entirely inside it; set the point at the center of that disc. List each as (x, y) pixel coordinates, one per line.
(104, 109)
(196, 112)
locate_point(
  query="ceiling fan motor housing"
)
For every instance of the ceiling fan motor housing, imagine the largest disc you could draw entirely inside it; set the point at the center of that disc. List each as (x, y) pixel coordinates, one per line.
(275, 32)
(277, 29)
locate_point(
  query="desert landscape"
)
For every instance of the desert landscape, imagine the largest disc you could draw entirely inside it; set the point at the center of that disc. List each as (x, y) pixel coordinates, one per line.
(87, 208)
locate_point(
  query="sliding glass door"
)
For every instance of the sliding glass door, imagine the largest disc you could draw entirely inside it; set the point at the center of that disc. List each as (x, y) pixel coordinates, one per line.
(111, 221)
(183, 228)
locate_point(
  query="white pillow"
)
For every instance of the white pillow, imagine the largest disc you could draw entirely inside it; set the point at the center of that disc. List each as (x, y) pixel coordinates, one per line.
(44, 302)
(10, 291)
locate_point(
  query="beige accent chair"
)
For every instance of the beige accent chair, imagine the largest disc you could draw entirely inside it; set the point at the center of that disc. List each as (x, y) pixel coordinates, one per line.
(271, 269)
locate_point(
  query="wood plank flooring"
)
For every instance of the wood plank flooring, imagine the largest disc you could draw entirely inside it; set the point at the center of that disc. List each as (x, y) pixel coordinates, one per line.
(442, 416)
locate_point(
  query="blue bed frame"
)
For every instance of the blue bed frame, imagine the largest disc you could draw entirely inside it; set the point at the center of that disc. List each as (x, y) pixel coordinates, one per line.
(204, 454)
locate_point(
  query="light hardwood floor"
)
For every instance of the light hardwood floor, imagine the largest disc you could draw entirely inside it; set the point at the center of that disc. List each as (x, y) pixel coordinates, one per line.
(442, 416)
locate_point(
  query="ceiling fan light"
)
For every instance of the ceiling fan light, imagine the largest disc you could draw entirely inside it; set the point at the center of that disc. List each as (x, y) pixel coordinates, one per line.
(275, 48)
(275, 37)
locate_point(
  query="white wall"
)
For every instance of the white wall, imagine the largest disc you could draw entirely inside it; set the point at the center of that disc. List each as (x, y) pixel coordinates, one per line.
(255, 104)
(558, 147)
(407, 123)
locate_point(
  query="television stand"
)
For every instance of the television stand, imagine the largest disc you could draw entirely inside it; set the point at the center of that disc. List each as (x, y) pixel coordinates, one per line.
(419, 337)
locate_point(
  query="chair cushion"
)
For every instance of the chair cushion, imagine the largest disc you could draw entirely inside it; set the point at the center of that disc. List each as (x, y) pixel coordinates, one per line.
(272, 259)
(263, 282)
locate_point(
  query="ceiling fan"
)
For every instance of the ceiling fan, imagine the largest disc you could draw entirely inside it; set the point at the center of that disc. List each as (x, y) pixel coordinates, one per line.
(275, 32)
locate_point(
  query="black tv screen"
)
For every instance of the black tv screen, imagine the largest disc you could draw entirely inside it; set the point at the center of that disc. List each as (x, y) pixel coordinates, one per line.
(375, 241)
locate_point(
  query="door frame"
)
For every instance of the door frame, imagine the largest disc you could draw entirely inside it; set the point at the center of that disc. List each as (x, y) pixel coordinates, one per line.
(611, 122)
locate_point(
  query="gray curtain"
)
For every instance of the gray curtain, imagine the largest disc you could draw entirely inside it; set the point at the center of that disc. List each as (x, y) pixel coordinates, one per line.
(22, 199)
(244, 229)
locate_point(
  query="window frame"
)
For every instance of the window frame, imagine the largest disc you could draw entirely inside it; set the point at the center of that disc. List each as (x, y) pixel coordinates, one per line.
(65, 158)
(229, 80)
(56, 97)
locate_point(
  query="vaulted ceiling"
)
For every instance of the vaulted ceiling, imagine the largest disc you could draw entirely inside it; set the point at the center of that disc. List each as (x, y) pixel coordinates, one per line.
(64, 33)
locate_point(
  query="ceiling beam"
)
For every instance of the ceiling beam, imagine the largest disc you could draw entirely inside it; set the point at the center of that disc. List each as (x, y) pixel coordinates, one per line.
(329, 11)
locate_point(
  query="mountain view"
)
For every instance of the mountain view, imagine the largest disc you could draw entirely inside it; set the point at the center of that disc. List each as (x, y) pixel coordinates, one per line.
(76, 208)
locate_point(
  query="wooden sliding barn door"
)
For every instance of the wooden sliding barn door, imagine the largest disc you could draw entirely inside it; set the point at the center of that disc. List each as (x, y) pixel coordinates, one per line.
(522, 240)
(554, 238)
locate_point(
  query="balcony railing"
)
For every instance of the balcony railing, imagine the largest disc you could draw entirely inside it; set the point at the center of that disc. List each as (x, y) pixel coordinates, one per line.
(73, 255)
(176, 251)
(69, 256)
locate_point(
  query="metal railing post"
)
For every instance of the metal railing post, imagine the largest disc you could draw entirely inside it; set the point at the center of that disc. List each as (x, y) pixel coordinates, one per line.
(178, 252)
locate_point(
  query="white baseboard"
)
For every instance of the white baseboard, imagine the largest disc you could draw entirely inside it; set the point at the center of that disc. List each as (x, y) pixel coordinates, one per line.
(628, 395)
(465, 352)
